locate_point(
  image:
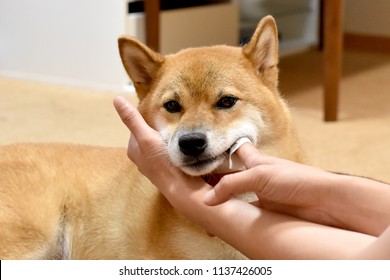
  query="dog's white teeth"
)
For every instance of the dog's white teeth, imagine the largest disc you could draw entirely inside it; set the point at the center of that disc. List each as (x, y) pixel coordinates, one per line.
(234, 148)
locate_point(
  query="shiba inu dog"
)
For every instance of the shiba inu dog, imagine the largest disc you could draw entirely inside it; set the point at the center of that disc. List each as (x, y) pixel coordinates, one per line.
(60, 201)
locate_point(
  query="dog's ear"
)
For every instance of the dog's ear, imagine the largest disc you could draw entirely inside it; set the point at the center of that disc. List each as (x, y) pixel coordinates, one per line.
(262, 50)
(140, 62)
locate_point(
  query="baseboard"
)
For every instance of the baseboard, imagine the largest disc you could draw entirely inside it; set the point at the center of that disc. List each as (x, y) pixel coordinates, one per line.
(366, 42)
(41, 78)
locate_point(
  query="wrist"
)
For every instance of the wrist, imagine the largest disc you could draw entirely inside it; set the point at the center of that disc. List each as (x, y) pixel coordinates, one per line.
(357, 204)
(328, 201)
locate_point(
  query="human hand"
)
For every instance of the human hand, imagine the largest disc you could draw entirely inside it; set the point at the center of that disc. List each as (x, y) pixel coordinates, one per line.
(281, 186)
(148, 151)
(145, 148)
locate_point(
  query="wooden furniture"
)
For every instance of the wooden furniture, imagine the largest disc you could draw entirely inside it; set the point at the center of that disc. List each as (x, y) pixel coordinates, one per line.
(152, 21)
(333, 47)
(332, 39)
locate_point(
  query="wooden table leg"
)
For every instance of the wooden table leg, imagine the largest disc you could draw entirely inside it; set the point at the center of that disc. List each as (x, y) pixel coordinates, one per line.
(152, 23)
(333, 47)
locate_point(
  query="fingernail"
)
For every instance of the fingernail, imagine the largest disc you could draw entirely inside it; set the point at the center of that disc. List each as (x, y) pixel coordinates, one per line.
(210, 198)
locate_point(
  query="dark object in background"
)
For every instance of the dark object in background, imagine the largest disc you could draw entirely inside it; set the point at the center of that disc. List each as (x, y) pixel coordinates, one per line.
(138, 6)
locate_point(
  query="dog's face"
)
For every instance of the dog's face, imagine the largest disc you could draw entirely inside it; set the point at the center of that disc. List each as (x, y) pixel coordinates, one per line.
(200, 108)
(202, 100)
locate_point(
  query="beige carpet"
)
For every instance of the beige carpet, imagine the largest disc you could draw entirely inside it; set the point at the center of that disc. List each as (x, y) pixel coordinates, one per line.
(358, 143)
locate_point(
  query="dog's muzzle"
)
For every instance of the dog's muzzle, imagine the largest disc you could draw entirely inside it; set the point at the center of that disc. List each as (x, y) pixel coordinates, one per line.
(193, 144)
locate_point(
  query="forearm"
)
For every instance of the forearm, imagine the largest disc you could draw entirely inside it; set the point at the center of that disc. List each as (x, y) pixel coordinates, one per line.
(262, 234)
(358, 204)
(379, 249)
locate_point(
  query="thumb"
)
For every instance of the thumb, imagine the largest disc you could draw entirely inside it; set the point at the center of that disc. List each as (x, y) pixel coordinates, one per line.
(250, 156)
(131, 117)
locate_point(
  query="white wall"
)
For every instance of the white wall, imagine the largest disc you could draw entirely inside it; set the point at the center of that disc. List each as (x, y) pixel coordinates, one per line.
(367, 17)
(63, 41)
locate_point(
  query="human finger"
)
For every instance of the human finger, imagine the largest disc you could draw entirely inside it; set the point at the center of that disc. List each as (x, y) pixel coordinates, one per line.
(132, 118)
(250, 155)
(133, 150)
(231, 185)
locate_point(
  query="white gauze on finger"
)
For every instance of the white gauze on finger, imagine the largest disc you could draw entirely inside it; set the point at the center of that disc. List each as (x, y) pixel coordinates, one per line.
(234, 161)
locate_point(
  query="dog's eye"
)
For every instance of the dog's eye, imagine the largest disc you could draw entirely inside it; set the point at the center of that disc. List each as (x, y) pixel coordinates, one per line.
(226, 102)
(172, 106)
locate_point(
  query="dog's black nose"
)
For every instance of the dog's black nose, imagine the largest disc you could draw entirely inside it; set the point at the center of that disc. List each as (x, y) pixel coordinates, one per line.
(193, 144)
